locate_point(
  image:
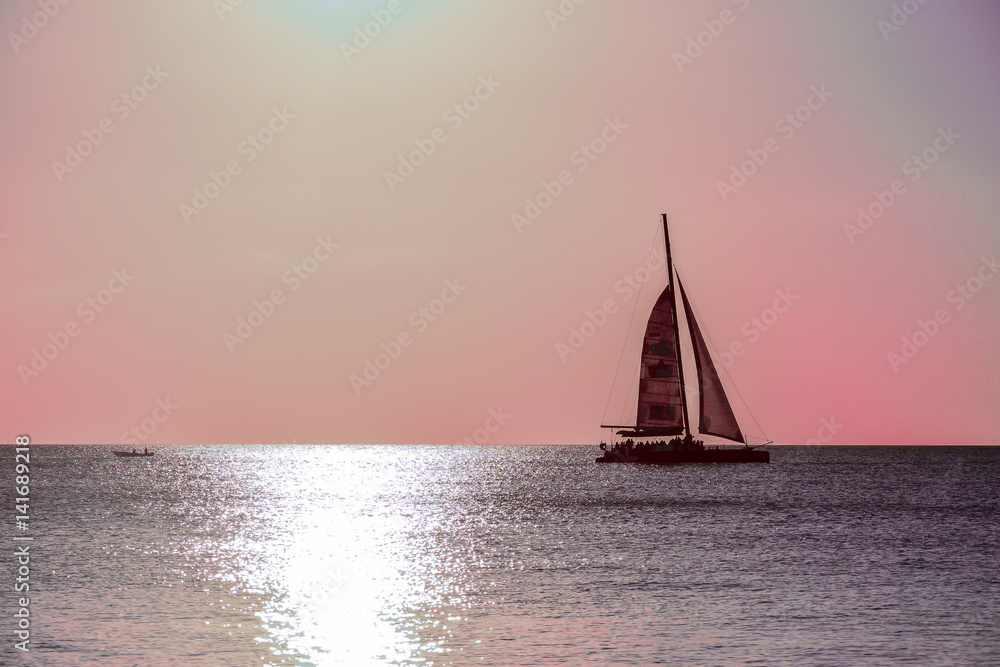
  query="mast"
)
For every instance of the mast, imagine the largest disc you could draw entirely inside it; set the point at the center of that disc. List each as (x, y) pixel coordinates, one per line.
(676, 326)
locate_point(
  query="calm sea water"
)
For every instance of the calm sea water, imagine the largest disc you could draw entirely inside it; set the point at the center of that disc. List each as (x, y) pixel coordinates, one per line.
(300, 555)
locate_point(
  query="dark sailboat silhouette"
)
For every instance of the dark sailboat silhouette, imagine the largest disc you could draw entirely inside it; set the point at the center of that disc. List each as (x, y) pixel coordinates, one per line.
(662, 404)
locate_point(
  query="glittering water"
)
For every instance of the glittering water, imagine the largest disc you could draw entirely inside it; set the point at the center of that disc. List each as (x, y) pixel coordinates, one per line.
(297, 555)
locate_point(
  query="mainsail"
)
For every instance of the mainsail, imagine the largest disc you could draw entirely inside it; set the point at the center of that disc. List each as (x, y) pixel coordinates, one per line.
(661, 396)
(717, 416)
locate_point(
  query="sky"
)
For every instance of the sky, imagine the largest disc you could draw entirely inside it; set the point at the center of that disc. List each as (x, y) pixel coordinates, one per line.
(382, 222)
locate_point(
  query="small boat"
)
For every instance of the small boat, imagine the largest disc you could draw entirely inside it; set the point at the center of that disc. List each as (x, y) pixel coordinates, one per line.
(662, 433)
(132, 453)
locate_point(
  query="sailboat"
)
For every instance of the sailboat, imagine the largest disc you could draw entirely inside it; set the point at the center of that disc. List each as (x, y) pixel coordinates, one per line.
(662, 410)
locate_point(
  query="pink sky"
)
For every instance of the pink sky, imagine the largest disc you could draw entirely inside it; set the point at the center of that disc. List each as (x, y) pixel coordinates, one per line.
(330, 122)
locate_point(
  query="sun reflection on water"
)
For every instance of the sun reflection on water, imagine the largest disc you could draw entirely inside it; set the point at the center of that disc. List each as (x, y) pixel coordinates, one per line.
(339, 567)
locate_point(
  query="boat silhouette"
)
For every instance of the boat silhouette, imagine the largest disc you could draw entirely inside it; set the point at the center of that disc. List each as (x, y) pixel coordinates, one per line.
(662, 432)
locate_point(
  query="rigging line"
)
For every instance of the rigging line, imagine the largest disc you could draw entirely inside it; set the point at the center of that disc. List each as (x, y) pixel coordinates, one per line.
(628, 394)
(705, 334)
(628, 333)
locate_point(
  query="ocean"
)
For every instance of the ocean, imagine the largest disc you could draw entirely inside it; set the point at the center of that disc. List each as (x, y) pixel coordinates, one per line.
(502, 555)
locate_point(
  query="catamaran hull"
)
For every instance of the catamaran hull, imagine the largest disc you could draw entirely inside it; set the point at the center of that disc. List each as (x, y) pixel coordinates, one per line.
(617, 457)
(700, 456)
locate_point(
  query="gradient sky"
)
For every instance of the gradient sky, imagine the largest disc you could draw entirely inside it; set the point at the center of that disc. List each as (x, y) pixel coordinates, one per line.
(161, 338)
